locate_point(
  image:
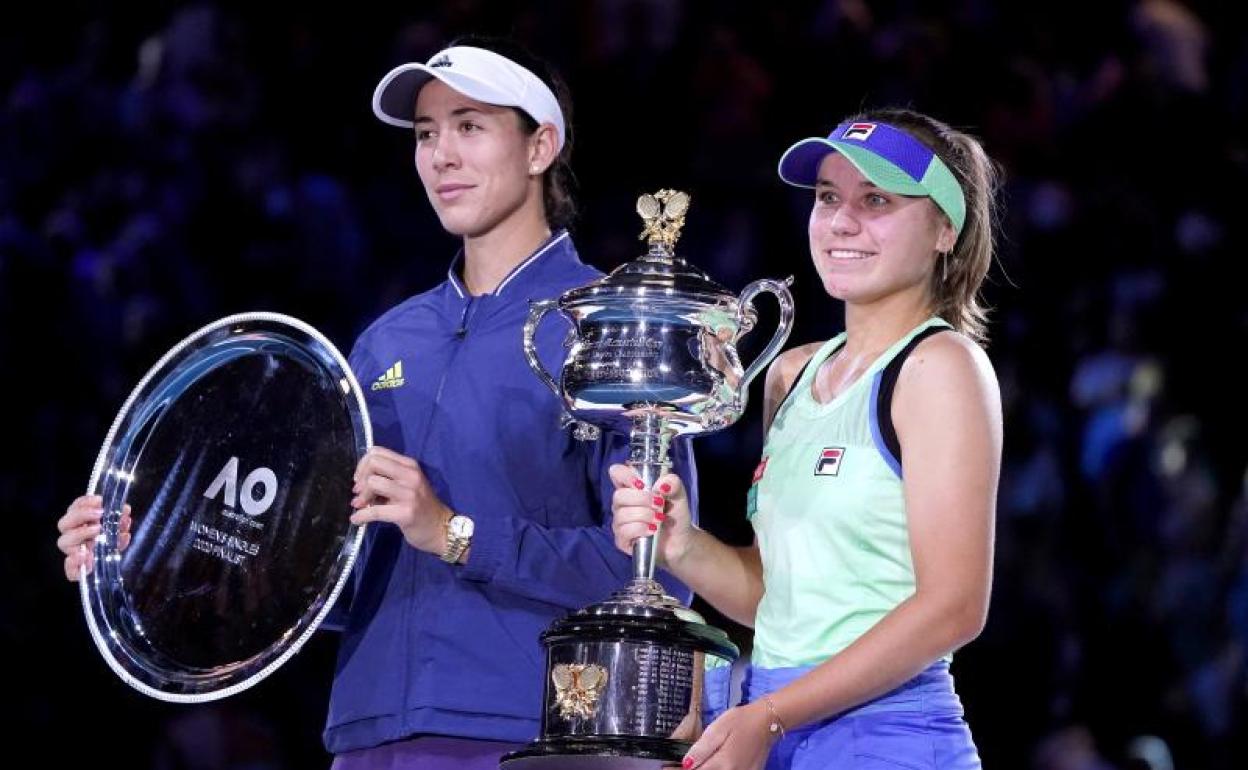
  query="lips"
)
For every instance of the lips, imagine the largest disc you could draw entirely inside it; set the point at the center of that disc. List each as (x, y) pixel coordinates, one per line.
(848, 254)
(451, 190)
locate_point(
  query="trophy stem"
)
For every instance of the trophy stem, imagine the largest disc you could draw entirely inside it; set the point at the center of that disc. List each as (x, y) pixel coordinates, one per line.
(649, 441)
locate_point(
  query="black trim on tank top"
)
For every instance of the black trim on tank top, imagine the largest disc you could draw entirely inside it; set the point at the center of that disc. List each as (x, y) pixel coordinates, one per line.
(793, 385)
(888, 381)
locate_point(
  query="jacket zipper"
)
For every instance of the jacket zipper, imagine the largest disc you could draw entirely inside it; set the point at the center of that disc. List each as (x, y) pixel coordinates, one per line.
(461, 333)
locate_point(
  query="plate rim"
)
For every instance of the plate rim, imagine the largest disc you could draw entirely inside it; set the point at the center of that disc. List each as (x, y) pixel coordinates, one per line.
(86, 582)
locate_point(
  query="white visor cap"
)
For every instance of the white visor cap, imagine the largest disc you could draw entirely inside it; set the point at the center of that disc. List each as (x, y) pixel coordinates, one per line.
(474, 72)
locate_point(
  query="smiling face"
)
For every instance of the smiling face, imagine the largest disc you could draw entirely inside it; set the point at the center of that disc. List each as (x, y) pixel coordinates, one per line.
(473, 160)
(868, 244)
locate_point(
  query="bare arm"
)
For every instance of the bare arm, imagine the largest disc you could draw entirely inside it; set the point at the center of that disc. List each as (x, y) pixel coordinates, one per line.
(729, 577)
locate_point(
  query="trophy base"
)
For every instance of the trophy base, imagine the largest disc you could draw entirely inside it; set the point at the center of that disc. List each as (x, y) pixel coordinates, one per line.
(624, 684)
(597, 753)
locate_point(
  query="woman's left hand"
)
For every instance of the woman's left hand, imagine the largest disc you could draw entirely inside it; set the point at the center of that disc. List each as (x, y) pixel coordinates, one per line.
(391, 487)
(738, 740)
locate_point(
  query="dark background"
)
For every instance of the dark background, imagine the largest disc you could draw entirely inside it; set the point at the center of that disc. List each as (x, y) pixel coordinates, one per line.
(163, 165)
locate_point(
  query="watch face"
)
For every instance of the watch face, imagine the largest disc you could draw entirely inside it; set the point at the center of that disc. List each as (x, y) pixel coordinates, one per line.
(461, 526)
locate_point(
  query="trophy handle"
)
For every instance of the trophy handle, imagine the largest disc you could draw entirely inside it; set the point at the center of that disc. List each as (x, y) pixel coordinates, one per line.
(746, 317)
(537, 311)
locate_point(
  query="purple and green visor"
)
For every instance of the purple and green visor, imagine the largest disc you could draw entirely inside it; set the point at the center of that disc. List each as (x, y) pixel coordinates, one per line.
(890, 158)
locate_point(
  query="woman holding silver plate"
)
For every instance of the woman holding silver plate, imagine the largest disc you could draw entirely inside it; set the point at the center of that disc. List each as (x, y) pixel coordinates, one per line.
(862, 580)
(489, 521)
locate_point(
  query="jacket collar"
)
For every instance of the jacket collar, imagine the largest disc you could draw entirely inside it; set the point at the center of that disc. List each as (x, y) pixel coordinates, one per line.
(557, 249)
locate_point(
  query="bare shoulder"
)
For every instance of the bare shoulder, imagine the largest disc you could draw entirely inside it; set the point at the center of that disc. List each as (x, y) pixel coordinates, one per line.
(947, 358)
(787, 366)
(949, 369)
(781, 375)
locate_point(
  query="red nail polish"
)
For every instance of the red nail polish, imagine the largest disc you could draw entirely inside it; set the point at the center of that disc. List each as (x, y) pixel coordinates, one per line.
(665, 488)
(639, 484)
(652, 526)
(686, 763)
(660, 515)
(658, 500)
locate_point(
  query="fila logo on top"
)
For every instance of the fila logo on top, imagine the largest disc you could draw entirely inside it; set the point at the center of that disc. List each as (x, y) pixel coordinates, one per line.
(829, 463)
(859, 131)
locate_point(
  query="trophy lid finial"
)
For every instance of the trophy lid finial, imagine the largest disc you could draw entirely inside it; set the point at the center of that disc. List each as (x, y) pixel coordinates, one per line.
(664, 215)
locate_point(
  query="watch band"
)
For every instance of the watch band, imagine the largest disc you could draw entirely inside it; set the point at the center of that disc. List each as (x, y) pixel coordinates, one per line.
(455, 546)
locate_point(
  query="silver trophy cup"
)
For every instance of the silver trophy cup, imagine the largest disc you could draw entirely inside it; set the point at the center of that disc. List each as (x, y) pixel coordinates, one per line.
(652, 352)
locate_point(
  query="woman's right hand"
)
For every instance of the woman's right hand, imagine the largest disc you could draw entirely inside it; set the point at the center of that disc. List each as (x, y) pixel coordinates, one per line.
(79, 527)
(639, 512)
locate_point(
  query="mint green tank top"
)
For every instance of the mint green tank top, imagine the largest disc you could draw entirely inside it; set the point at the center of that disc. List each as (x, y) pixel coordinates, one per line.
(829, 514)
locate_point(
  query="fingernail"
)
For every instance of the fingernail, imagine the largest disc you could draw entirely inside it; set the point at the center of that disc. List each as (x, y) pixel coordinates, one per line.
(665, 488)
(653, 527)
(686, 763)
(660, 515)
(658, 500)
(639, 484)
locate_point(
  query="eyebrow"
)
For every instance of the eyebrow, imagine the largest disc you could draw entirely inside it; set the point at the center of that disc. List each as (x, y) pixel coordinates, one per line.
(455, 113)
(829, 183)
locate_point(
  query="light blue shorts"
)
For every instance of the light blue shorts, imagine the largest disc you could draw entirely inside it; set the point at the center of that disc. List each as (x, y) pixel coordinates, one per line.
(918, 726)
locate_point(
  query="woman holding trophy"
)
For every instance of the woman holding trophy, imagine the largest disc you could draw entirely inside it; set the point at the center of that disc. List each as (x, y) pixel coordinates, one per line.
(488, 521)
(874, 501)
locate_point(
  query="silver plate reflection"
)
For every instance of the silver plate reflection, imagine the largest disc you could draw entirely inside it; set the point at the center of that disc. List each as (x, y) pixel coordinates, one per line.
(235, 453)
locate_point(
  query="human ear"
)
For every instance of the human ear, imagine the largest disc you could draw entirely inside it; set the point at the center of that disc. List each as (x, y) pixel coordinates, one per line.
(543, 144)
(947, 238)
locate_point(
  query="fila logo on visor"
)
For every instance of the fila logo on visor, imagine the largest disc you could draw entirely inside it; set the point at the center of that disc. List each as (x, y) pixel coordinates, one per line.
(441, 61)
(829, 463)
(859, 131)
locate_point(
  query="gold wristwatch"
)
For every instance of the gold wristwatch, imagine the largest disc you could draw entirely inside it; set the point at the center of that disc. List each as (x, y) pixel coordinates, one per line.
(458, 537)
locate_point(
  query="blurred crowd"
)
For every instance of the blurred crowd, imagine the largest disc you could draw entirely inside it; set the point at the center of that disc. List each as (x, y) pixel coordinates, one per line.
(162, 167)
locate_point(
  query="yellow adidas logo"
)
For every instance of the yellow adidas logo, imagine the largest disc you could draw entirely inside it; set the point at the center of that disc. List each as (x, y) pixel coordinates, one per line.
(392, 378)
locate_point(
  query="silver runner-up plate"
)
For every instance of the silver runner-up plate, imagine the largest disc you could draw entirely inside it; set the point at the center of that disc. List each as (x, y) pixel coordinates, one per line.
(235, 454)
